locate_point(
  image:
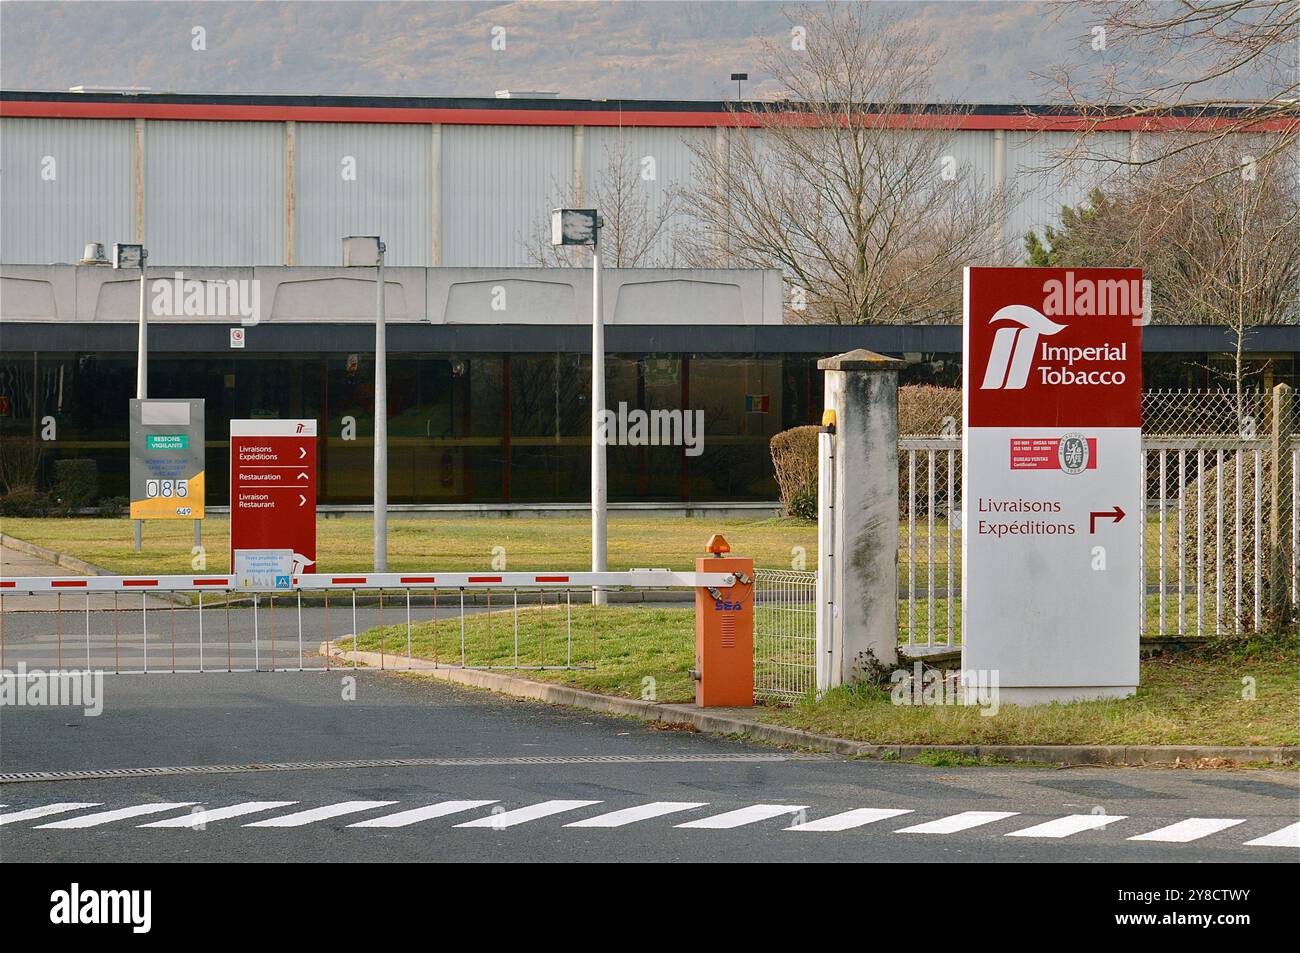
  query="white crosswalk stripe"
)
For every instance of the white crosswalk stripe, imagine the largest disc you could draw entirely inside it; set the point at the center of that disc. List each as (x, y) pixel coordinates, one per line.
(406, 818)
(957, 822)
(849, 819)
(745, 815)
(642, 812)
(525, 814)
(1070, 824)
(303, 818)
(1194, 828)
(1177, 832)
(201, 818)
(107, 817)
(13, 817)
(1288, 836)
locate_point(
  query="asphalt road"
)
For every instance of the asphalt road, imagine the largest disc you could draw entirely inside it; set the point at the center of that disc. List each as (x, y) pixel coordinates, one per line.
(468, 776)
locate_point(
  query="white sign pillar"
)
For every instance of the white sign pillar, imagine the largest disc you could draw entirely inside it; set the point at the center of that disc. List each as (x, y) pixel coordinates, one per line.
(1052, 474)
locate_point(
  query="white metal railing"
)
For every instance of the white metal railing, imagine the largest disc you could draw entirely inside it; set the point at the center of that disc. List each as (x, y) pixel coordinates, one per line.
(785, 633)
(932, 616)
(1208, 536)
(244, 629)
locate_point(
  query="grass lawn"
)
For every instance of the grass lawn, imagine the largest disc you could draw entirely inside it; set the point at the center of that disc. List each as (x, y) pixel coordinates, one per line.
(1193, 698)
(622, 646)
(435, 544)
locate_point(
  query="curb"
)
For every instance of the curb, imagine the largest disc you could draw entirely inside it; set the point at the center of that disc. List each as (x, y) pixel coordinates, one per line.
(729, 722)
(79, 565)
(49, 555)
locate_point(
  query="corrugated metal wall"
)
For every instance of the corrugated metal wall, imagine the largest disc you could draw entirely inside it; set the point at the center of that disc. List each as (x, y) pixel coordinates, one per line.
(973, 153)
(499, 184)
(90, 197)
(1042, 190)
(659, 160)
(388, 195)
(214, 193)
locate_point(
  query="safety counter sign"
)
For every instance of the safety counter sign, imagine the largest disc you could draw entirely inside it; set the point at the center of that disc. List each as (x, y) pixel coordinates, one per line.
(1052, 481)
(167, 459)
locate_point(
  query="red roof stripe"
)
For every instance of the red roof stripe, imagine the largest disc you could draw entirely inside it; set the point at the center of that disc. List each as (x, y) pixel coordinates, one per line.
(129, 109)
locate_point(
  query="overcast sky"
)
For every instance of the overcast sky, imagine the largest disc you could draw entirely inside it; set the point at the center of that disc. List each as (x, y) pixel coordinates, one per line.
(995, 52)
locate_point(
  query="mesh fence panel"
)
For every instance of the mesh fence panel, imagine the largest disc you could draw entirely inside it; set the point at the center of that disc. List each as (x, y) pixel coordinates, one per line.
(1221, 531)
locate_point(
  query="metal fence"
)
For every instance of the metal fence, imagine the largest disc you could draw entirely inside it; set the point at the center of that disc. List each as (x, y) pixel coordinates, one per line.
(1221, 540)
(929, 575)
(785, 634)
(1221, 545)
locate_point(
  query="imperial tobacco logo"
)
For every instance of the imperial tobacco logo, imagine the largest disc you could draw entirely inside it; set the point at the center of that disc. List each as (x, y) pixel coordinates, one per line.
(1012, 354)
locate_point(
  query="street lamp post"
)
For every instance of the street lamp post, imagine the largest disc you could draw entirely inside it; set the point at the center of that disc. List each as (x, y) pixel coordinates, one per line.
(581, 226)
(130, 256)
(361, 251)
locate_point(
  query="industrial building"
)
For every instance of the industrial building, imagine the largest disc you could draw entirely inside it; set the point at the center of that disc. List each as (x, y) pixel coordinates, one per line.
(489, 357)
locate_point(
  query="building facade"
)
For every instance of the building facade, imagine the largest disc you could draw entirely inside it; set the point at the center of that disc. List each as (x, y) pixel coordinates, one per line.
(246, 198)
(275, 180)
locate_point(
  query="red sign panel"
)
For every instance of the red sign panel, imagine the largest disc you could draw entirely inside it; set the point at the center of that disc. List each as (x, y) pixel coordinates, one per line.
(1051, 347)
(273, 488)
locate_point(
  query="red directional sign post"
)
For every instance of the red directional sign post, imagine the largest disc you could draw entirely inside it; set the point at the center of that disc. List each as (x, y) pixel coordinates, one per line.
(1052, 482)
(273, 494)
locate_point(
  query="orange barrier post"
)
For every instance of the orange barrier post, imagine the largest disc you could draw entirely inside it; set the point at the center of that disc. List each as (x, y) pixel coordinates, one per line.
(724, 632)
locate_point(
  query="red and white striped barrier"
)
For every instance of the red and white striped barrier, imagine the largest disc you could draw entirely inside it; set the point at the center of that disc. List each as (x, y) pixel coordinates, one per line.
(633, 579)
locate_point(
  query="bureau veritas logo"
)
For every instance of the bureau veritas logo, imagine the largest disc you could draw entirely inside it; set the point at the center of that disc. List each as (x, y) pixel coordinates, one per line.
(1050, 345)
(1073, 453)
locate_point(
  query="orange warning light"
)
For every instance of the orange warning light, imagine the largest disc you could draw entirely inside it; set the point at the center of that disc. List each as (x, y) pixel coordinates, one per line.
(717, 545)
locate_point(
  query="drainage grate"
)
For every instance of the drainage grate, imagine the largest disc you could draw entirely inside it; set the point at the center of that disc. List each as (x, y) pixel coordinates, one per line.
(109, 774)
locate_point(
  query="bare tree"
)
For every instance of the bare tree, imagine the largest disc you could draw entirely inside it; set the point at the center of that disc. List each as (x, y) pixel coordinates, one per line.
(845, 184)
(1219, 68)
(1231, 257)
(636, 226)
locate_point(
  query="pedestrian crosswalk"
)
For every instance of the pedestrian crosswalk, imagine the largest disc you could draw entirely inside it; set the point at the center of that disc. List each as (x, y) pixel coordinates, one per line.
(1070, 824)
(303, 818)
(503, 819)
(499, 814)
(958, 822)
(1194, 828)
(107, 817)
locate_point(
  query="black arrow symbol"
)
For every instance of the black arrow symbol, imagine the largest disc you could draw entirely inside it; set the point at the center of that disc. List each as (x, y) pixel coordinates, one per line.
(1116, 514)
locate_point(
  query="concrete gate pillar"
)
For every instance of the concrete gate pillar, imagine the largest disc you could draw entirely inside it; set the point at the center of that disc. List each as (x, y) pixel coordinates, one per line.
(858, 517)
